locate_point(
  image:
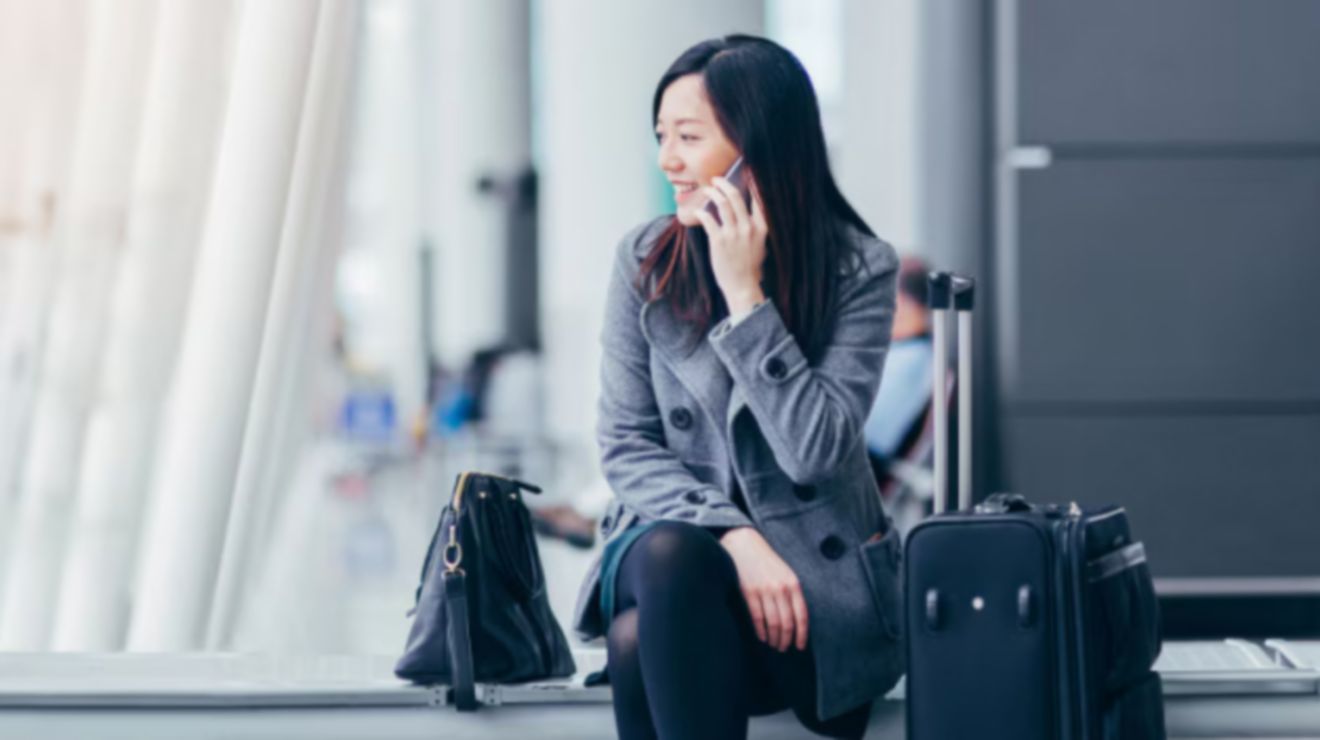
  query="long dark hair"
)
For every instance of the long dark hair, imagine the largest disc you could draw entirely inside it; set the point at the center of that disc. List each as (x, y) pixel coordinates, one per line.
(765, 105)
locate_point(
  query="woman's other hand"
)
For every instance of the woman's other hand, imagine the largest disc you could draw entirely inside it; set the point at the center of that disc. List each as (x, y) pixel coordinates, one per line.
(774, 596)
(737, 244)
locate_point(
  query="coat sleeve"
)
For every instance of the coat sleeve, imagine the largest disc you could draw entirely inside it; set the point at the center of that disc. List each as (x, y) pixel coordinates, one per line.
(812, 416)
(644, 473)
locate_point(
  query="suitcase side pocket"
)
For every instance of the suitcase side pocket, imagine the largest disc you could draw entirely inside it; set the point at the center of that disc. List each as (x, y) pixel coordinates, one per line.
(882, 560)
(1125, 620)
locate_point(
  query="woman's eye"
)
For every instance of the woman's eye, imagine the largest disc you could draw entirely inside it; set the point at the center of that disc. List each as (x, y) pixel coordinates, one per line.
(660, 138)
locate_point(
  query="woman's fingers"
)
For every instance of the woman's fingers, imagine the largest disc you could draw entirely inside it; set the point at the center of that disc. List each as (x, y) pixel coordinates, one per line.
(781, 623)
(722, 204)
(774, 620)
(708, 221)
(758, 613)
(800, 617)
(790, 619)
(737, 206)
(785, 622)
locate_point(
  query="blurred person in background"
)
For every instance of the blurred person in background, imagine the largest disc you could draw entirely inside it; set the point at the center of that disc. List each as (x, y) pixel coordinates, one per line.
(498, 397)
(899, 436)
(748, 566)
(905, 389)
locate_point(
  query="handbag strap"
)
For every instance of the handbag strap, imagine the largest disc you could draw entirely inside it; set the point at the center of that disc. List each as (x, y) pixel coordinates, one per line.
(464, 692)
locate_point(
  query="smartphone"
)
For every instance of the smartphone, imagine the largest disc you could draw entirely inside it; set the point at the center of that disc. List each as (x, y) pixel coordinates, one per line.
(737, 175)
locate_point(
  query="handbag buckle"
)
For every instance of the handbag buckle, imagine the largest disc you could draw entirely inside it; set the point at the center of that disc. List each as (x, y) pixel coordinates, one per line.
(451, 563)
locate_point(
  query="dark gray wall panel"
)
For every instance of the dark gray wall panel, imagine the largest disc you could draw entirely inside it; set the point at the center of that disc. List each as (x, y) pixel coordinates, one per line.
(1177, 71)
(1221, 497)
(1170, 281)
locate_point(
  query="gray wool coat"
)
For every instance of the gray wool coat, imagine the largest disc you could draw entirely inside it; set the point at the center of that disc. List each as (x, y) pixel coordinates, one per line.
(681, 416)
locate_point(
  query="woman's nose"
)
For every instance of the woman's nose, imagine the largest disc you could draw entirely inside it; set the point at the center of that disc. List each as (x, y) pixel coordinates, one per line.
(668, 161)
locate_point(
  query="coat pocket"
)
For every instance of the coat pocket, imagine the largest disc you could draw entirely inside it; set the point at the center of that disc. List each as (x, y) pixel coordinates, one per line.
(882, 559)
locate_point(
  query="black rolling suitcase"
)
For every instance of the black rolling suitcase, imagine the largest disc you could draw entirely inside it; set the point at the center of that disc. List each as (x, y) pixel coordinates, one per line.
(1024, 622)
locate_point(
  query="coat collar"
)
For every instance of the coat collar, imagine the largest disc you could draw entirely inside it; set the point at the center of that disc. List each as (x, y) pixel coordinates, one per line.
(688, 354)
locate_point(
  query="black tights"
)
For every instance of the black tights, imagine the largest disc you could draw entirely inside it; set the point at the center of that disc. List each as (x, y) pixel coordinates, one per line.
(684, 660)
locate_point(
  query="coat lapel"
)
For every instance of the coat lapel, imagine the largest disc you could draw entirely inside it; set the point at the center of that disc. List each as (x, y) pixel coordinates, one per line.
(690, 357)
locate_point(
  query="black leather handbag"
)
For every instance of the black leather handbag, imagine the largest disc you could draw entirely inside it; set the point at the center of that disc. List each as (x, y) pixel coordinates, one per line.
(481, 611)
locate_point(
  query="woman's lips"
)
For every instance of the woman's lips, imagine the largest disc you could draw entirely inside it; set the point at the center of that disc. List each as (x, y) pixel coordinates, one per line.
(681, 194)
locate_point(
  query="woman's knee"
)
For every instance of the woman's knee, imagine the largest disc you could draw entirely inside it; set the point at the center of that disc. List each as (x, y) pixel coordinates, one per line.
(678, 554)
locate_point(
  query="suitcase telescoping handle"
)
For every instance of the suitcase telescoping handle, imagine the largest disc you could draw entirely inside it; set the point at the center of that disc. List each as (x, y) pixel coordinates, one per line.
(938, 299)
(946, 291)
(964, 293)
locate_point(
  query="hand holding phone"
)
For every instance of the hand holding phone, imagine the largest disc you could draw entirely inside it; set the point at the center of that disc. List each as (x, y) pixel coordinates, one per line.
(737, 176)
(737, 255)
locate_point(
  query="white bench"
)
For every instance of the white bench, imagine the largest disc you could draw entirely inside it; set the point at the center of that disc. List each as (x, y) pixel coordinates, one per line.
(1213, 689)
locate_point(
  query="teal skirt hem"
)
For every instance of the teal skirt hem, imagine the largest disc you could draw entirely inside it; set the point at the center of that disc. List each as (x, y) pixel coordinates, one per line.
(609, 569)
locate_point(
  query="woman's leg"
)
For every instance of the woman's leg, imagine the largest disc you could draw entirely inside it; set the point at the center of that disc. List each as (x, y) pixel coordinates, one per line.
(680, 645)
(632, 717)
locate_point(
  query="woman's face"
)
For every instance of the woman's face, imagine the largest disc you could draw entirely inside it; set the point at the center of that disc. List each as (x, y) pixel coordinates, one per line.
(693, 148)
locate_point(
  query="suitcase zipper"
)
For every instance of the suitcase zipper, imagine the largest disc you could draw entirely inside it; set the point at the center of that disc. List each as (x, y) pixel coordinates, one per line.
(1076, 659)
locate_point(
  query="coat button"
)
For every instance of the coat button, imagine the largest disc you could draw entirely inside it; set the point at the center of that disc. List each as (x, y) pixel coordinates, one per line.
(804, 493)
(681, 418)
(776, 368)
(695, 497)
(832, 547)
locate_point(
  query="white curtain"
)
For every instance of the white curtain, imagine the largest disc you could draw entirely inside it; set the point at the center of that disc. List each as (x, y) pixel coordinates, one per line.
(166, 245)
(88, 237)
(185, 96)
(40, 75)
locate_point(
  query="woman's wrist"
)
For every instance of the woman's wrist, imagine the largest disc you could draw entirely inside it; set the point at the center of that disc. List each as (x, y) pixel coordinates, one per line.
(735, 533)
(743, 301)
